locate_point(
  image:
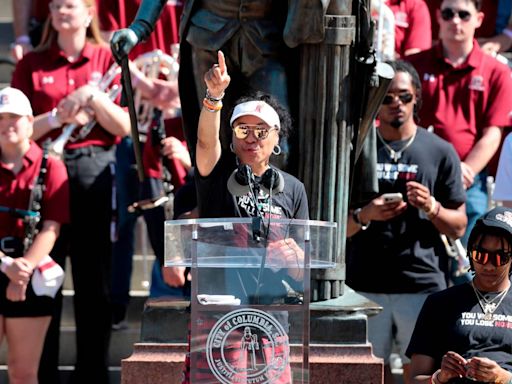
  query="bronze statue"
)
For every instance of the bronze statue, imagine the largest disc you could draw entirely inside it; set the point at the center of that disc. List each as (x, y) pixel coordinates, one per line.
(336, 96)
(256, 37)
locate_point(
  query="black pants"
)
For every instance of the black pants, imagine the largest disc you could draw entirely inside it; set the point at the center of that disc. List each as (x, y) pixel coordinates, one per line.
(49, 364)
(91, 179)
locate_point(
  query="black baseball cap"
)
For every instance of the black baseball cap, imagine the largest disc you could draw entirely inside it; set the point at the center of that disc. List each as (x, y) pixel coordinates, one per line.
(498, 220)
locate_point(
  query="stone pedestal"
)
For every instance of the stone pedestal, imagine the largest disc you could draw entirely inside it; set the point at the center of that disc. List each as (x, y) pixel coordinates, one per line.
(339, 349)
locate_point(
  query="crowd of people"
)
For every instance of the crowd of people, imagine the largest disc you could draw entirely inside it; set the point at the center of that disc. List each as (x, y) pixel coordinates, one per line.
(441, 130)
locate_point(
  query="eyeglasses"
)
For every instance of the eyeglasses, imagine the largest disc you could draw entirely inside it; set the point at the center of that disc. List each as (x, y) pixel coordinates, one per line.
(405, 98)
(498, 258)
(448, 14)
(260, 132)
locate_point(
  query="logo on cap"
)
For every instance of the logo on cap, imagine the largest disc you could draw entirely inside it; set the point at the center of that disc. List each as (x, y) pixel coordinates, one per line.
(4, 99)
(505, 218)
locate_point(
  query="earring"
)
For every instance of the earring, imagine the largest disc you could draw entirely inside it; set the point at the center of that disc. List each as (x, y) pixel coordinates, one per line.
(88, 22)
(232, 148)
(277, 150)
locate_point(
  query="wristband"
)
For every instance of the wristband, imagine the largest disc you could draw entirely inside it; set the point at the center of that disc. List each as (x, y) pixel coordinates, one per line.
(23, 40)
(507, 32)
(213, 99)
(212, 107)
(53, 119)
(508, 381)
(432, 207)
(435, 378)
(357, 219)
(5, 262)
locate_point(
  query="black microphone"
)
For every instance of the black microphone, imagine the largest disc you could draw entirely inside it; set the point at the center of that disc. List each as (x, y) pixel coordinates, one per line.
(241, 183)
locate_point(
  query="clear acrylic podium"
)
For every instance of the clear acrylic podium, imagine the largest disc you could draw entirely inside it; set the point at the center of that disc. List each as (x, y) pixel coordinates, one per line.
(250, 294)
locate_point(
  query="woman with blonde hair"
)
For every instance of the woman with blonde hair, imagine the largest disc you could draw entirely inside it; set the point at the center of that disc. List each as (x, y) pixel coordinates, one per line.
(62, 77)
(25, 309)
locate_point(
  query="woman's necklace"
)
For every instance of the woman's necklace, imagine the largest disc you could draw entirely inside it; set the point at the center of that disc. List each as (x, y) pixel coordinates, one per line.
(489, 306)
(396, 155)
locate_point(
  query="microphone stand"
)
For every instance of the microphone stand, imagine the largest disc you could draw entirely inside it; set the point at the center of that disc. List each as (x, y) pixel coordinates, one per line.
(258, 221)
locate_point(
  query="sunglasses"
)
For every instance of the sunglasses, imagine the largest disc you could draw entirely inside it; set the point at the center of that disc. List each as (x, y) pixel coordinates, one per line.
(242, 131)
(405, 98)
(448, 14)
(498, 258)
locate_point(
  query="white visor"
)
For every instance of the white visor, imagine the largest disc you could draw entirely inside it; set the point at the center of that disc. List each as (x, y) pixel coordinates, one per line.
(259, 109)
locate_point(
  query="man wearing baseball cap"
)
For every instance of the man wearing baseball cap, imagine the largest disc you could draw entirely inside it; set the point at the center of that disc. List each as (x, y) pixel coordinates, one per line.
(27, 233)
(463, 333)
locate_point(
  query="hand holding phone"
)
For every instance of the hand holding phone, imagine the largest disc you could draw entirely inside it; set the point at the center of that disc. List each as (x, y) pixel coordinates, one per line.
(392, 197)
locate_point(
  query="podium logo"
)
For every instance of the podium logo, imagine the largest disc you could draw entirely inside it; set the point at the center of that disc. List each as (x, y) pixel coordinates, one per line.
(248, 346)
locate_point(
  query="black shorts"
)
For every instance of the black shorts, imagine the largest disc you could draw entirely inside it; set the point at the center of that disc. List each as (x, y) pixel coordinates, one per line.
(33, 306)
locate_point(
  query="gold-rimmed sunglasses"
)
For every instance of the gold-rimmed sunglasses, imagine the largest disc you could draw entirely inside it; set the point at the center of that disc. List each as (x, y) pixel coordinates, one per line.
(260, 132)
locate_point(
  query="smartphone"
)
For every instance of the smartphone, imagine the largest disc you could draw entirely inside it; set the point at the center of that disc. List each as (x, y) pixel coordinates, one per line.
(392, 197)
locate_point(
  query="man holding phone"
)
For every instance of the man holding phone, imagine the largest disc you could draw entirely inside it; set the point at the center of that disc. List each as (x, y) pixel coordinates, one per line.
(397, 233)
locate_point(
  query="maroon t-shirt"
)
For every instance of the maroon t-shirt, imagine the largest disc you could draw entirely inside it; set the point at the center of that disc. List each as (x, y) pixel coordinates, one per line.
(412, 25)
(47, 77)
(459, 102)
(40, 9)
(15, 191)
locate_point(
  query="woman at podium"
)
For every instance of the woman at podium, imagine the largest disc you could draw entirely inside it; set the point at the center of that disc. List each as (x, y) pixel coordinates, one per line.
(241, 182)
(258, 123)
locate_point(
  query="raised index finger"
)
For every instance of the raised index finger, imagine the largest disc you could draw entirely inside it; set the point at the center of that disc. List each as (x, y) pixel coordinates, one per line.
(222, 62)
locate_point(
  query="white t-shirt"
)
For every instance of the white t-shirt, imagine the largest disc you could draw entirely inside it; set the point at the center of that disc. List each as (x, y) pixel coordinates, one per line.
(503, 188)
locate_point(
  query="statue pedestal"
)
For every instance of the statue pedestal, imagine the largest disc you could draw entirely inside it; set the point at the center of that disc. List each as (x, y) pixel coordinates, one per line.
(338, 352)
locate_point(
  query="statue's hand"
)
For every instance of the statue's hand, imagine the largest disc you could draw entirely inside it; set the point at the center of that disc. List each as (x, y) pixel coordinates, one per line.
(217, 78)
(122, 43)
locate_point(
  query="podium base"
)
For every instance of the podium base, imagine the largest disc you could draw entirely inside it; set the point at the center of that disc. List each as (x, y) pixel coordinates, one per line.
(153, 363)
(338, 352)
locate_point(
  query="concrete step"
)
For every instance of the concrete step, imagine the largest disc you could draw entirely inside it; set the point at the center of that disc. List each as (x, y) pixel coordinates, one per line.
(140, 279)
(121, 344)
(65, 374)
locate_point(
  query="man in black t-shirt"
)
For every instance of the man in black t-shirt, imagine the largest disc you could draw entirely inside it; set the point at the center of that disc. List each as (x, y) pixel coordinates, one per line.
(392, 251)
(463, 333)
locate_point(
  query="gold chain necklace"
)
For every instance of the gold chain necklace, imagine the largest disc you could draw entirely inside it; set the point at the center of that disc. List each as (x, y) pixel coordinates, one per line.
(489, 306)
(396, 155)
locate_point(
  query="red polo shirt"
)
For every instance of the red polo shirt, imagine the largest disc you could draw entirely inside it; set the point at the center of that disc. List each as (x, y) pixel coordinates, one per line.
(412, 25)
(460, 102)
(488, 27)
(47, 77)
(152, 159)
(15, 191)
(40, 9)
(119, 14)
(116, 14)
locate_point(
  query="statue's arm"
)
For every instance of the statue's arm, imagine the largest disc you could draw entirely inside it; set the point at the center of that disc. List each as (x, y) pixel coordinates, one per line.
(124, 40)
